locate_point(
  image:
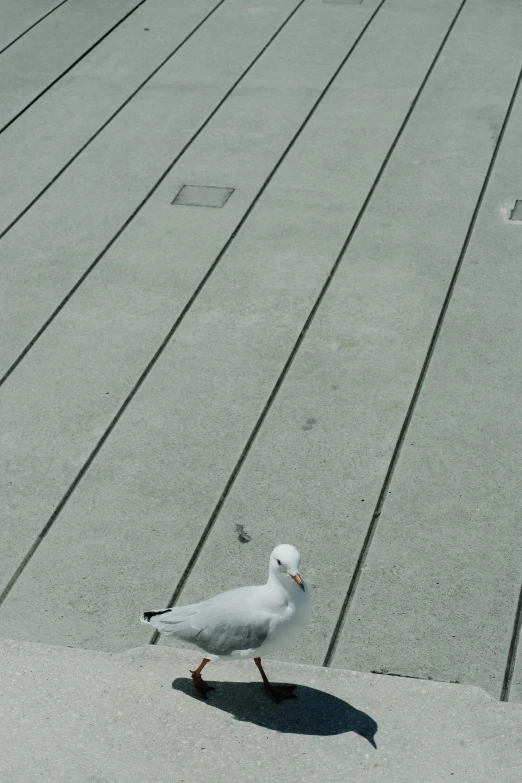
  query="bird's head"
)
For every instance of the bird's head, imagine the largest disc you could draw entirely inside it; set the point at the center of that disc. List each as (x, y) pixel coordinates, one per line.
(284, 563)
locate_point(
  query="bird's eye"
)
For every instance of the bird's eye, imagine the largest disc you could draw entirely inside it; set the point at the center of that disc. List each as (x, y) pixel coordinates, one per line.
(278, 562)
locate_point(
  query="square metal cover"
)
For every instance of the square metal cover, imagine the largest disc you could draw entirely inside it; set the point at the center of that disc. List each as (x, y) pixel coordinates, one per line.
(203, 196)
(517, 211)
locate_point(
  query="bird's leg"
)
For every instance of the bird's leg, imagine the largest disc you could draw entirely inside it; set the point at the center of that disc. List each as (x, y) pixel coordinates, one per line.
(276, 693)
(199, 683)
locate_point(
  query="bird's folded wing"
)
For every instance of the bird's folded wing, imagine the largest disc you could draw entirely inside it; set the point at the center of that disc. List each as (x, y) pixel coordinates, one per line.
(219, 626)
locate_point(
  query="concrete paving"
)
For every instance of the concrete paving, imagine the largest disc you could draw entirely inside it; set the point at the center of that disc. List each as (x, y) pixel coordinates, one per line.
(88, 97)
(17, 19)
(91, 202)
(52, 47)
(460, 563)
(82, 716)
(291, 244)
(330, 358)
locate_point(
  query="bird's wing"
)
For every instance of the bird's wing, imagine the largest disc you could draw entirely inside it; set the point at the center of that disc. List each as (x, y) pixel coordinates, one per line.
(230, 621)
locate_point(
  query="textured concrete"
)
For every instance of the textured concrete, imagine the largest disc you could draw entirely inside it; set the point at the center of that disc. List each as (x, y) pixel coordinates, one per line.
(41, 56)
(75, 220)
(459, 551)
(81, 717)
(168, 279)
(198, 406)
(316, 470)
(266, 355)
(86, 98)
(16, 18)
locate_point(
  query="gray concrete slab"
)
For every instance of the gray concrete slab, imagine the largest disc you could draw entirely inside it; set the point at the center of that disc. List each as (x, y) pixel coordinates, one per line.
(166, 463)
(16, 18)
(81, 716)
(51, 47)
(449, 532)
(86, 98)
(47, 252)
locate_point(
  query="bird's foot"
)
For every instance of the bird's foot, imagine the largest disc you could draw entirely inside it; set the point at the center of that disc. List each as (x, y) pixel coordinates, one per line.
(200, 685)
(280, 692)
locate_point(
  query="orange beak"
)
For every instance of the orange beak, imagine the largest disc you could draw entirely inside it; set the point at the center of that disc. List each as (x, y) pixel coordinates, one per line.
(299, 581)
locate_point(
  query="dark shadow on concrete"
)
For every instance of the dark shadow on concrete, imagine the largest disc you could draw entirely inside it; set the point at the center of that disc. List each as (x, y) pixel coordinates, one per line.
(313, 712)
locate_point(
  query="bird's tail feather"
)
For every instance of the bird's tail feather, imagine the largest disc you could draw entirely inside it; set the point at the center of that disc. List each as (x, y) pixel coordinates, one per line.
(167, 621)
(146, 617)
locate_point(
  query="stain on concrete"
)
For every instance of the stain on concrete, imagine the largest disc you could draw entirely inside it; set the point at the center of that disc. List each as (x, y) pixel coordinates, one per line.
(242, 535)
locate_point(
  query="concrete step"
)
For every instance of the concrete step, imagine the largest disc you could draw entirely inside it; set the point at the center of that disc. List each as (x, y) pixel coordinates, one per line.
(95, 717)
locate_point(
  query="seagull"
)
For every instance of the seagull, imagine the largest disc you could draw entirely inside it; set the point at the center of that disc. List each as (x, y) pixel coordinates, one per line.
(247, 622)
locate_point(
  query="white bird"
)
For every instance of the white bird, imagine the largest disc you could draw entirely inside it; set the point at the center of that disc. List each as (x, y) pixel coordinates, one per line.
(244, 623)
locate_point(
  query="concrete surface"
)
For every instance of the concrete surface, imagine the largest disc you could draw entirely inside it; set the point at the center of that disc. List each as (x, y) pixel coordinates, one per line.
(17, 19)
(225, 356)
(331, 359)
(51, 47)
(88, 96)
(326, 444)
(146, 238)
(463, 564)
(90, 203)
(82, 716)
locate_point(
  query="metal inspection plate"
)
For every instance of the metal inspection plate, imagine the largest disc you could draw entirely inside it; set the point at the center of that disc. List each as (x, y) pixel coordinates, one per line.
(516, 213)
(203, 196)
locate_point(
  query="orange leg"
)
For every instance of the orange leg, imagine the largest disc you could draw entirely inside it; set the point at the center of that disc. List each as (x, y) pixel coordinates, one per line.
(278, 693)
(199, 683)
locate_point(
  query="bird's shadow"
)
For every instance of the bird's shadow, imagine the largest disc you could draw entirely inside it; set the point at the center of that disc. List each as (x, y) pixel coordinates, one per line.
(313, 712)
